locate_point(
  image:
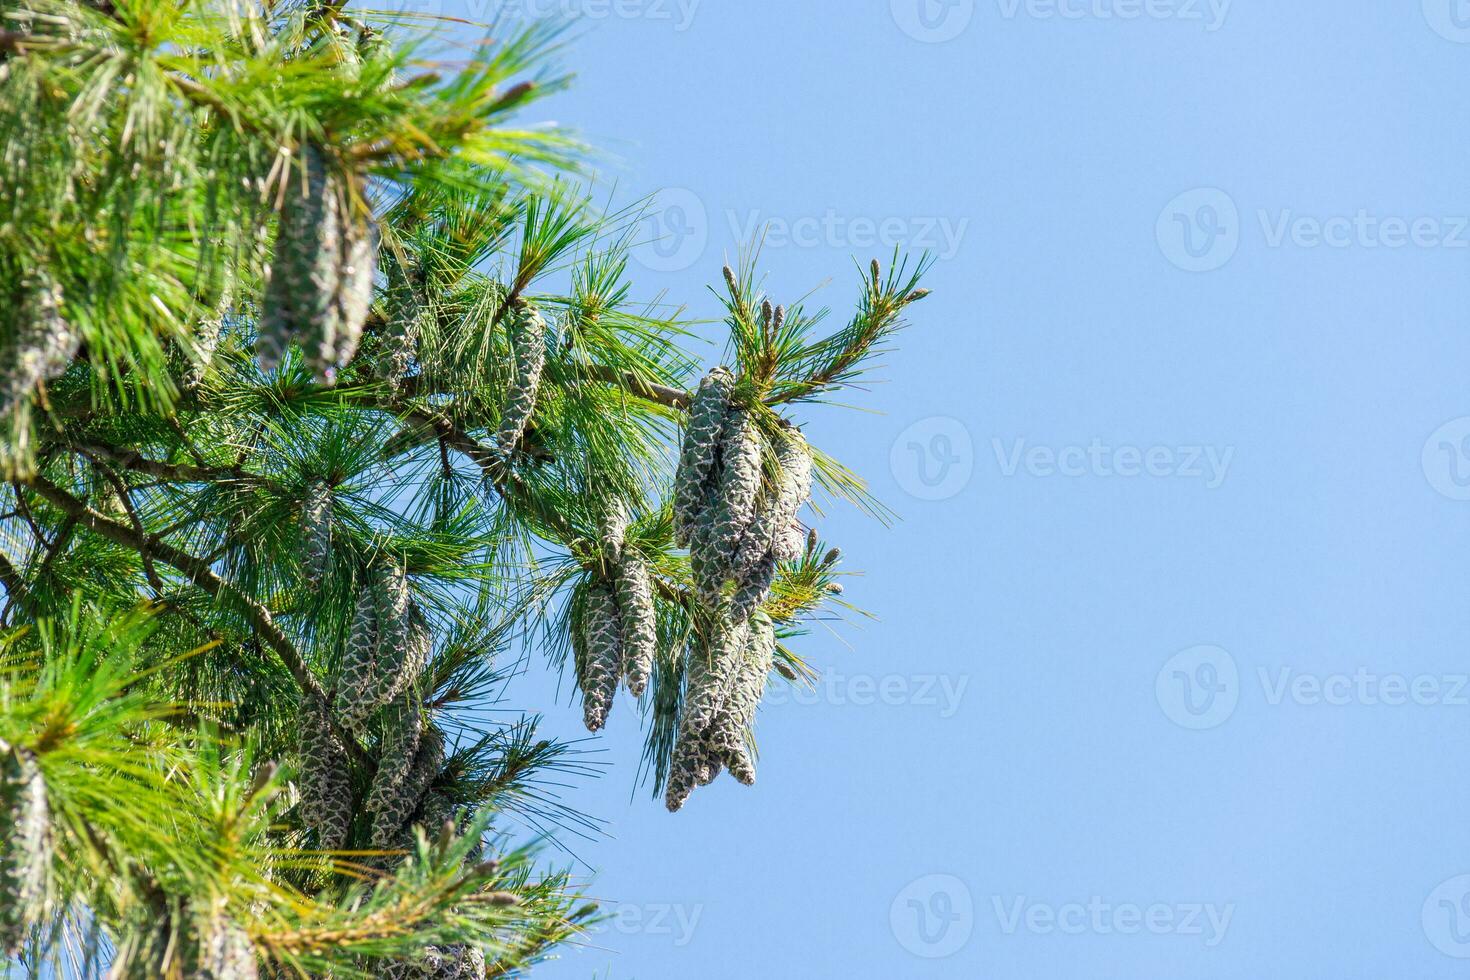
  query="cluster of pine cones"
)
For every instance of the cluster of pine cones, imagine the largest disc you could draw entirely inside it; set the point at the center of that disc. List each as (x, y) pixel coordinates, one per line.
(39, 343)
(616, 634)
(387, 649)
(321, 280)
(738, 526)
(388, 646)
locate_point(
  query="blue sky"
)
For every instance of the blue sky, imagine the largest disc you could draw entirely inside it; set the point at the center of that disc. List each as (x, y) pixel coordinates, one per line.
(1168, 678)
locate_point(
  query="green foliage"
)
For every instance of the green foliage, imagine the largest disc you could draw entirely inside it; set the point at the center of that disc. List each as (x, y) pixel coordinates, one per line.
(252, 618)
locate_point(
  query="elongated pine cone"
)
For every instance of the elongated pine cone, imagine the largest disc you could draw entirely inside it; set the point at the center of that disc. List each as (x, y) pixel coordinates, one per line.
(728, 733)
(754, 588)
(225, 953)
(700, 449)
(710, 674)
(528, 338)
(407, 313)
(736, 494)
(604, 654)
(772, 529)
(639, 620)
(397, 749)
(399, 802)
(321, 282)
(356, 679)
(300, 299)
(355, 287)
(39, 343)
(325, 776)
(25, 844)
(612, 529)
(316, 530)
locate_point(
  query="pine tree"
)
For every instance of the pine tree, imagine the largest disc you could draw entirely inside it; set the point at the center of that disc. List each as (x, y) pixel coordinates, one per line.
(320, 393)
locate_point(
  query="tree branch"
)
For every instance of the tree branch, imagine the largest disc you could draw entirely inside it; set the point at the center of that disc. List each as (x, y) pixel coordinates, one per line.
(170, 472)
(194, 569)
(627, 380)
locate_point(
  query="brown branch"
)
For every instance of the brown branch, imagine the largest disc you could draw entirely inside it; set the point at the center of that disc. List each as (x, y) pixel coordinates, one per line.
(194, 569)
(120, 487)
(498, 474)
(634, 385)
(16, 591)
(168, 472)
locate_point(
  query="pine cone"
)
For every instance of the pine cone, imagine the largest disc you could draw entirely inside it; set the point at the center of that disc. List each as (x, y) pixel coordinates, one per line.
(393, 602)
(301, 296)
(40, 344)
(225, 953)
(612, 529)
(684, 769)
(771, 530)
(325, 777)
(739, 486)
(456, 962)
(604, 660)
(25, 844)
(727, 738)
(698, 454)
(708, 567)
(357, 676)
(528, 338)
(639, 621)
(406, 314)
(316, 531)
(753, 589)
(206, 342)
(355, 286)
(710, 672)
(399, 803)
(397, 749)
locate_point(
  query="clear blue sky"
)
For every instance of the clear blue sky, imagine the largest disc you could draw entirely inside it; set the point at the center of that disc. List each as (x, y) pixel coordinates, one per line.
(1168, 679)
